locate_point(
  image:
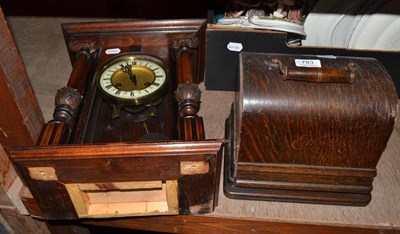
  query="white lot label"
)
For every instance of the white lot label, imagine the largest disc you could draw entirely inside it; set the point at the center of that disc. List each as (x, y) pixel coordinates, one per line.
(234, 46)
(113, 51)
(307, 62)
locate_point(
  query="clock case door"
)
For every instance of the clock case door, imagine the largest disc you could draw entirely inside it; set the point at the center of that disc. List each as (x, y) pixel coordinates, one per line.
(88, 165)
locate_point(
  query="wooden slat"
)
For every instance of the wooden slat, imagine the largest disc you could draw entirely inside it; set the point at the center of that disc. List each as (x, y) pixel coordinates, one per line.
(8, 173)
(77, 199)
(120, 186)
(23, 121)
(20, 123)
(172, 195)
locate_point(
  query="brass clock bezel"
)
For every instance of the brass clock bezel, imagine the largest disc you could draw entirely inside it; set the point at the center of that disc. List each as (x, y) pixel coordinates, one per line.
(134, 101)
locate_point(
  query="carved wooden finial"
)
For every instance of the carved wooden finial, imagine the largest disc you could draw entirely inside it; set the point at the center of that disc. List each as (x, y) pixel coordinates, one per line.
(188, 96)
(66, 102)
(76, 46)
(192, 42)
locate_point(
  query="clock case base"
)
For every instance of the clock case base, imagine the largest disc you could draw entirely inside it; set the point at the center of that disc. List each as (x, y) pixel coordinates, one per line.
(87, 165)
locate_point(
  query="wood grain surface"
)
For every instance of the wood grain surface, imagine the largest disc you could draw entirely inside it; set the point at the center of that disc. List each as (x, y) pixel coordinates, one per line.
(383, 210)
(313, 141)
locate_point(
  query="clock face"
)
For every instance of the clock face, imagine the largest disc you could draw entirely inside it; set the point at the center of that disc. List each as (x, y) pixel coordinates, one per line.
(132, 79)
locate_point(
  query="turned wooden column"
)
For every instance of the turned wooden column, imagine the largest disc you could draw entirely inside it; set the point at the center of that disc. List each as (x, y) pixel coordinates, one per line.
(188, 94)
(67, 101)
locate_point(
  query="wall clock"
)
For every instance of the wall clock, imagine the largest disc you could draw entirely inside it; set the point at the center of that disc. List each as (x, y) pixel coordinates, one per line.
(133, 83)
(132, 79)
(127, 122)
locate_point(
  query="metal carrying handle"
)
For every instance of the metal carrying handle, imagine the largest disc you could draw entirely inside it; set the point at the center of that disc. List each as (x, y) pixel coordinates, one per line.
(317, 74)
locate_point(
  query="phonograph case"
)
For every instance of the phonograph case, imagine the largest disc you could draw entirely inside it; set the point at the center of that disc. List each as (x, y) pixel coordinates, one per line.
(308, 128)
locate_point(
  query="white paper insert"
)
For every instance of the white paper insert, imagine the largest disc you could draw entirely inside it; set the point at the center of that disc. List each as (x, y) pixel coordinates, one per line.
(234, 46)
(307, 62)
(113, 51)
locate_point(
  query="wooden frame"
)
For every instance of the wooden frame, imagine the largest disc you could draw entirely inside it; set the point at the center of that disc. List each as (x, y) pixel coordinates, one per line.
(185, 168)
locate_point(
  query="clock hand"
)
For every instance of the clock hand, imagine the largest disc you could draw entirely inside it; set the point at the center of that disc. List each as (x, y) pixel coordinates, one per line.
(127, 69)
(132, 76)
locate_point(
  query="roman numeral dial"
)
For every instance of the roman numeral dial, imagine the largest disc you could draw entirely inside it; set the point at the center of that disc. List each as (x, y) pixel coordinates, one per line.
(132, 79)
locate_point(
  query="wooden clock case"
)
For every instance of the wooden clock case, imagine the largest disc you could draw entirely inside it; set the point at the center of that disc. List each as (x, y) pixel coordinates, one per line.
(89, 165)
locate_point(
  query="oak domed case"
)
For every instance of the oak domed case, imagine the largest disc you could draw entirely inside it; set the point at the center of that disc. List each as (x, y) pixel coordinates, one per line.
(308, 128)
